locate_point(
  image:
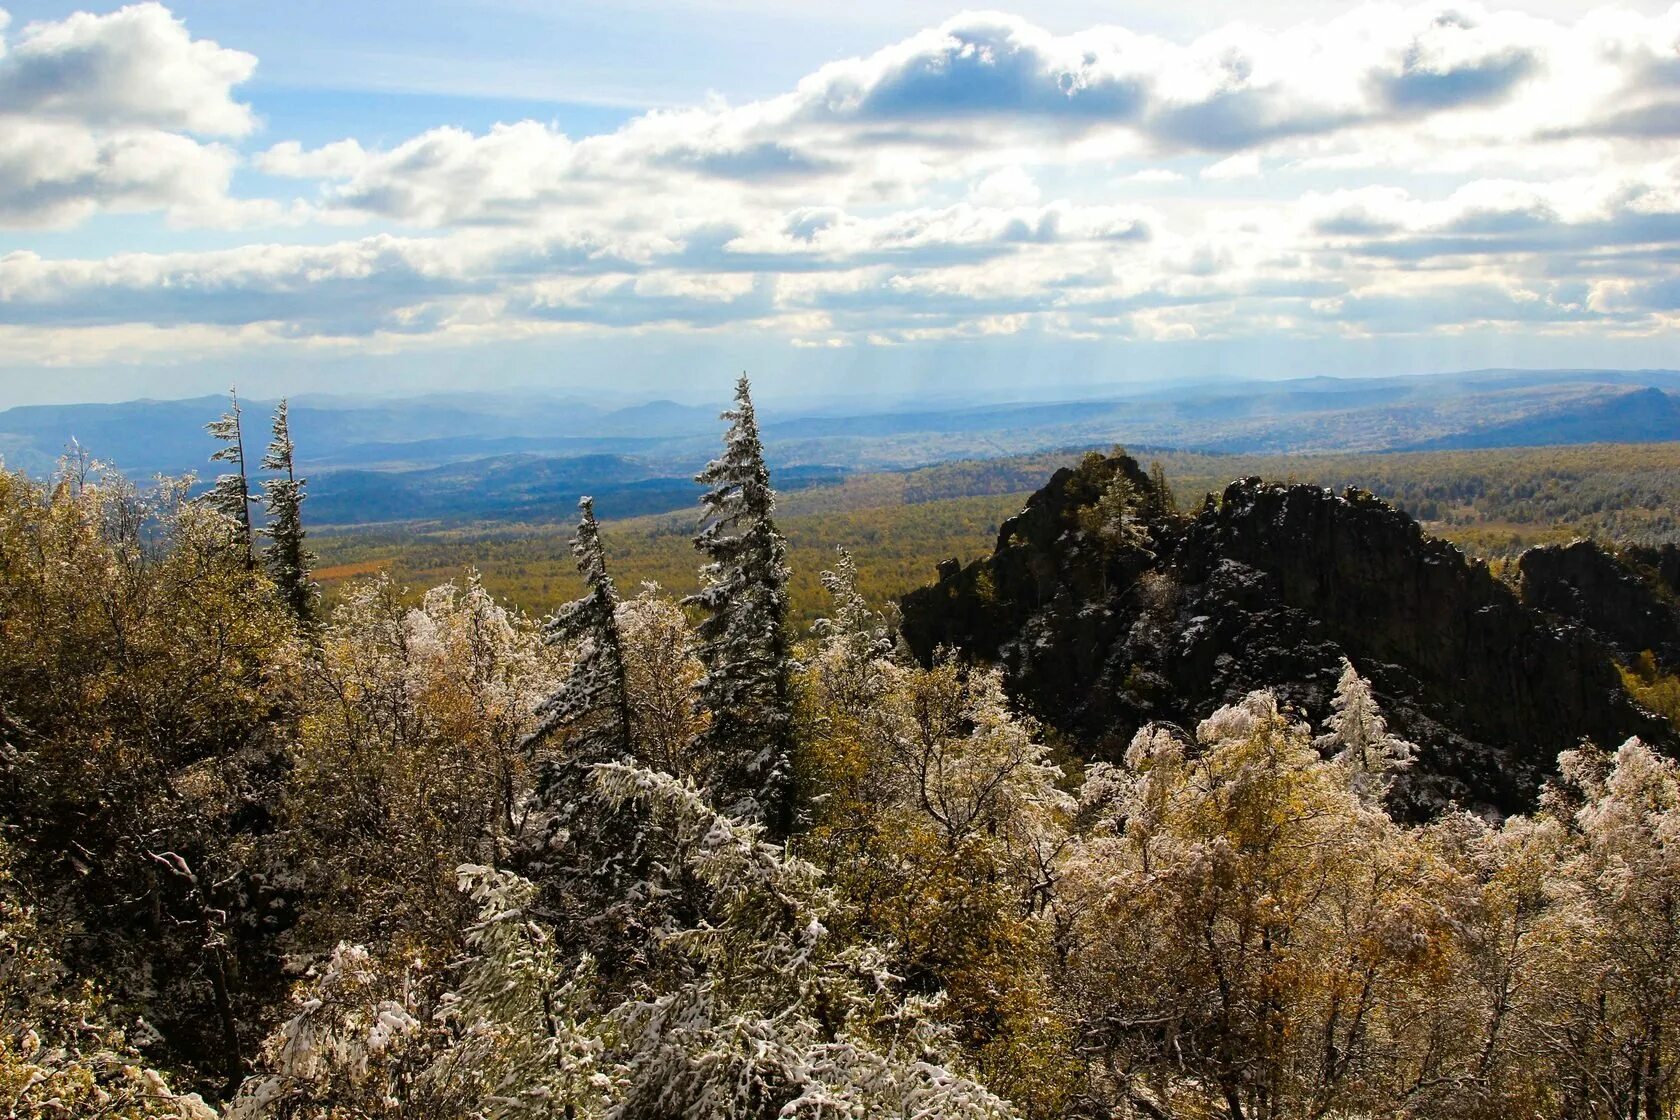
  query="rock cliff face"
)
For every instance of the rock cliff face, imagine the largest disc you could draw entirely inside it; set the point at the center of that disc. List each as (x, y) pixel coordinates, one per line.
(1271, 587)
(1627, 599)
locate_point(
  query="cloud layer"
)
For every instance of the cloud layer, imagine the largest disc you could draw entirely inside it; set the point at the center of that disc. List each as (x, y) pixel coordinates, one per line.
(1413, 171)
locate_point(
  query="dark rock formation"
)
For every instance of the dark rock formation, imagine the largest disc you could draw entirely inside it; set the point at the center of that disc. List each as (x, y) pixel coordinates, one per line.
(1626, 599)
(1271, 587)
(1661, 565)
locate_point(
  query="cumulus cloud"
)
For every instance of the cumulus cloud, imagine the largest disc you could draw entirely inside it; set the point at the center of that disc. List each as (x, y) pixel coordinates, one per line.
(1584, 223)
(55, 176)
(985, 66)
(1457, 61)
(1490, 168)
(110, 112)
(134, 68)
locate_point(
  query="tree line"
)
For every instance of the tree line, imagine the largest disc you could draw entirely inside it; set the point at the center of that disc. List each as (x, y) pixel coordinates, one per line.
(660, 857)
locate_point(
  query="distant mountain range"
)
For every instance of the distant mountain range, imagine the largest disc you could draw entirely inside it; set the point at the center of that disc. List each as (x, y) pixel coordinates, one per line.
(146, 437)
(495, 456)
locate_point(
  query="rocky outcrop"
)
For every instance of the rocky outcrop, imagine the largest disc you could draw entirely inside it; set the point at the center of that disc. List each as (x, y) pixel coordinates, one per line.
(1660, 564)
(1627, 599)
(1270, 587)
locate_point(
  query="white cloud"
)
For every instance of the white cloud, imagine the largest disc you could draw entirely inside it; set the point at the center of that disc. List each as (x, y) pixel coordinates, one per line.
(342, 159)
(1155, 175)
(134, 68)
(1243, 165)
(105, 111)
(1007, 186)
(985, 94)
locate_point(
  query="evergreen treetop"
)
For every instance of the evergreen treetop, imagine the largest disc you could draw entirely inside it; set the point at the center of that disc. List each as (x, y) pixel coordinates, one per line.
(591, 851)
(285, 557)
(230, 495)
(743, 637)
(596, 683)
(1359, 733)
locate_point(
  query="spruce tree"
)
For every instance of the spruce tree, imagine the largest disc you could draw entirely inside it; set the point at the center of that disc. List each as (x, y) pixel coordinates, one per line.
(1161, 501)
(285, 557)
(744, 642)
(592, 704)
(231, 494)
(1359, 734)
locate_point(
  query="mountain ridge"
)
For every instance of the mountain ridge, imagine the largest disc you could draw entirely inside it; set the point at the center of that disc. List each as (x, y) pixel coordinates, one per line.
(1309, 414)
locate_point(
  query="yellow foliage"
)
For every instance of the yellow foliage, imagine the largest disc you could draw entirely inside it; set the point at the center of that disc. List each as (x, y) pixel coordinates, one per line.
(1647, 683)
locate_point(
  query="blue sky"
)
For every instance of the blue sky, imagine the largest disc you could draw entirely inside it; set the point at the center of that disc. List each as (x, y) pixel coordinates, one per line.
(643, 198)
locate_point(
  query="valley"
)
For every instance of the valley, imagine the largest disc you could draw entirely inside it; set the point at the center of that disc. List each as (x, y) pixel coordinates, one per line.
(899, 524)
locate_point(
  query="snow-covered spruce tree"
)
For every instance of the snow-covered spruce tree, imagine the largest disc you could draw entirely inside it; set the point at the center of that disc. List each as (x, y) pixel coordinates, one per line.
(596, 684)
(852, 624)
(744, 642)
(285, 557)
(855, 641)
(230, 496)
(591, 709)
(1359, 734)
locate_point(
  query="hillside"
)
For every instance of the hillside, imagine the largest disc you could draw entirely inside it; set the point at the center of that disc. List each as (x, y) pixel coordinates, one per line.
(515, 488)
(1640, 416)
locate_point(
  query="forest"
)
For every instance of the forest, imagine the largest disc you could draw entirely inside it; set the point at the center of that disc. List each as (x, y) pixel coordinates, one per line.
(625, 853)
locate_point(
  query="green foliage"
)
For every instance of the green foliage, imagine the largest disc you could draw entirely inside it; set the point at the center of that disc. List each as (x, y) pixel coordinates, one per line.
(230, 495)
(285, 557)
(1114, 518)
(1159, 501)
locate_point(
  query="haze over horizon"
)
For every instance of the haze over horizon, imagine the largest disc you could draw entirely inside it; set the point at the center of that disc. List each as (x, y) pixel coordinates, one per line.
(909, 200)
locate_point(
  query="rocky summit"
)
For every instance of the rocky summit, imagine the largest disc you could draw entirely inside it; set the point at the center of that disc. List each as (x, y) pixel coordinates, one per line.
(1102, 627)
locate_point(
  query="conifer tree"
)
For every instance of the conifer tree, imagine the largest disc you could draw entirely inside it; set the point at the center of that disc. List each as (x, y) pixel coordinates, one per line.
(861, 632)
(744, 641)
(855, 643)
(285, 557)
(1360, 734)
(1160, 501)
(592, 704)
(231, 494)
(1113, 518)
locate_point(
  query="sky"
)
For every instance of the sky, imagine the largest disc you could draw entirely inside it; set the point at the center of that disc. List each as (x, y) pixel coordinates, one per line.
(871, 198)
